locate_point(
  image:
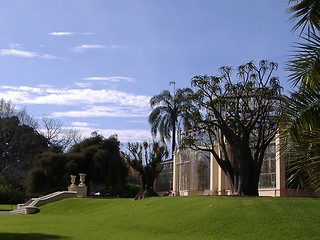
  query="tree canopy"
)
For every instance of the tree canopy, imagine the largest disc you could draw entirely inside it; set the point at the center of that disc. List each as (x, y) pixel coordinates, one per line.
(241, 117)
(19, 144)
(146, 159)
(169, 114)
(100, 159)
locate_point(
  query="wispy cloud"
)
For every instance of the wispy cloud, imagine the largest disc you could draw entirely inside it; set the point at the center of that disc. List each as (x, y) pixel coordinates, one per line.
(83, 102)
(83, 84)
(61, 33)
(15, 45)
(124, 135)
(86, 103)
(69, 33)
(86, 47)
(24, 54)
(110, 79)
(115, 46)
(81, 124)
(104, 111)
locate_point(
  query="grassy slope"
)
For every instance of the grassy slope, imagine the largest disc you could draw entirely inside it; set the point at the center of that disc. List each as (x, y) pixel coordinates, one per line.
(169, 218)
(6, 207)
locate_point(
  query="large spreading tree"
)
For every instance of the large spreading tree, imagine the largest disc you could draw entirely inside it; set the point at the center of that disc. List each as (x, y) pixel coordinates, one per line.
(237, 120)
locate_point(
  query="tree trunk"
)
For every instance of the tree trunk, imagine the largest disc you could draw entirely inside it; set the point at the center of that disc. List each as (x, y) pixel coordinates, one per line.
(145, 192)
(245, 182)
(146, 188)
(173, 145)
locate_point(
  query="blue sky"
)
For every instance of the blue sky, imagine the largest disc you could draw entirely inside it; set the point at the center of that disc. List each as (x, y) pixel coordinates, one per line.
(94, 64)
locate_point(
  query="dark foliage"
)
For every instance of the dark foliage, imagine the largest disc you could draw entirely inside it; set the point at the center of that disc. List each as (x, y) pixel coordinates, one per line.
(49, 174)
(100, 159)
(10, 192)
(145, 158)
(19, 144)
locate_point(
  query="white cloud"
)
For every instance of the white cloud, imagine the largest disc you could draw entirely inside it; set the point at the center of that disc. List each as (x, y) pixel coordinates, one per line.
(47, 56)
(15, 45)
(124, 135)
(61, 33)
(104, 111)
(83, 85)
(110, 79)
(24, 54)
(86, 47)
(69, 33)
(115, 46)
(85, 102)
(17, 53)
(81, 124)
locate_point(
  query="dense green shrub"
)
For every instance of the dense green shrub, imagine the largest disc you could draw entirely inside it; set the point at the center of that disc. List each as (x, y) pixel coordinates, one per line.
(123, 191)
(10, 192)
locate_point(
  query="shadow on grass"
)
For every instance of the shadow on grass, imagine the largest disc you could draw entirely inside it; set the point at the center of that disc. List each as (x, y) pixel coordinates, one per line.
(29, 236)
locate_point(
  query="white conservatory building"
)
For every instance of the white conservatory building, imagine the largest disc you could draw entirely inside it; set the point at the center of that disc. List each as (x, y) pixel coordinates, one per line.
(198, 173)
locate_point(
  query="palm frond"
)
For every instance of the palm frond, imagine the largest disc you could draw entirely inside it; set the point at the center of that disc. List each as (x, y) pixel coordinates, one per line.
(307, 15)
(304, 66)
(301, 139)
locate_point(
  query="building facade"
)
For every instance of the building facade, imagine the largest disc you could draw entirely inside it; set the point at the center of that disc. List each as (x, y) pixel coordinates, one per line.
(198, 173)
(193, 173)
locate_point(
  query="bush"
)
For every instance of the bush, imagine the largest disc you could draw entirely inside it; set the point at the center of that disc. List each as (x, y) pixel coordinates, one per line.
(9, 192)
(123, 191)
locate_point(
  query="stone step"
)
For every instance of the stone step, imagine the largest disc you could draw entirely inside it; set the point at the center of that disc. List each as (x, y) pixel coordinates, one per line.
(18, 211)
(32, 205)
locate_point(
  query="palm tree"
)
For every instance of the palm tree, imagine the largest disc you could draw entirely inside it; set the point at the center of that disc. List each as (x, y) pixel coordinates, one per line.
(302, 139)
(145, 158)
(303, 113)
(307, 15)
(170, 113)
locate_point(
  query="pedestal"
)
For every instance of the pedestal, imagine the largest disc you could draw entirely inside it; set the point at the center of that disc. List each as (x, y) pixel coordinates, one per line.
(82, 191)
(82, 188)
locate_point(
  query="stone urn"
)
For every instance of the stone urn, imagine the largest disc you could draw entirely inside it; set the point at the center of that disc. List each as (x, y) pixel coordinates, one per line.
(73, 187)
(82, 179)
(73, 180)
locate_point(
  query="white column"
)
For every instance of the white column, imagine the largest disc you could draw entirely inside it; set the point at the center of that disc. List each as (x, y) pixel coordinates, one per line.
(175, 174)
(214, 175)
(280, 169)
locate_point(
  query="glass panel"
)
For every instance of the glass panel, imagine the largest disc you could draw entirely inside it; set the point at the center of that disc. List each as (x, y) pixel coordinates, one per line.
(268, 169)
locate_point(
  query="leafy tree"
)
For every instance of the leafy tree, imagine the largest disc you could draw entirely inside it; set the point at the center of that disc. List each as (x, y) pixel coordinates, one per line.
(302, 127)
(48, 174)
(241, 117)
(10, 192)
(146, 158)
(19, 144)
(96, 156)
(100, 159)
(169, 114)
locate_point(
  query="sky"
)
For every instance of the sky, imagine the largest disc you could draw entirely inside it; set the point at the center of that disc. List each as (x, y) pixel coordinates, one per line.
(95, 64)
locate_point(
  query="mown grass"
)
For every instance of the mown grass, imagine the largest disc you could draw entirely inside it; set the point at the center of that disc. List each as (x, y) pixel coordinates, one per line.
(169, 218)
(6, 207)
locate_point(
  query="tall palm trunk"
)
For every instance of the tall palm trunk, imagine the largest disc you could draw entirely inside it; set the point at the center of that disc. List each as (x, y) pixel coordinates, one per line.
(173, 143)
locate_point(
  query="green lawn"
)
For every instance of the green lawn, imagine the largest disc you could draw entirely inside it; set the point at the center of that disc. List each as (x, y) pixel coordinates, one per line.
(169, 218)
(6, 207)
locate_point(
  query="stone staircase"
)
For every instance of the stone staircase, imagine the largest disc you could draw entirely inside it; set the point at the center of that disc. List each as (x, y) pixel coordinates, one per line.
(32, 205)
